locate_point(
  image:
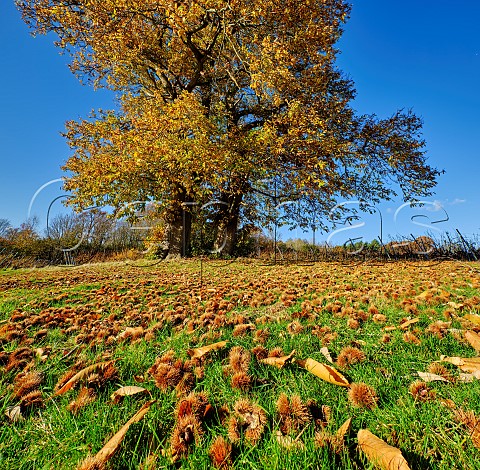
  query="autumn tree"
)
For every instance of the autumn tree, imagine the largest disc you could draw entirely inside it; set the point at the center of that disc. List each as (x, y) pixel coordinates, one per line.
(217, 96)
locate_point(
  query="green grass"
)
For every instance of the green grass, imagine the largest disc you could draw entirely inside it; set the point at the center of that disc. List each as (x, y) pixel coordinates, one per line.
(53, 437)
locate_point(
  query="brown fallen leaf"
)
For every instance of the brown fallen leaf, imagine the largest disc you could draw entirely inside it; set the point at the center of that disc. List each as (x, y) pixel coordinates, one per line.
(79, 376)
(197, 353)
(278, 362)
(429, 377)
(109, 449)
(475, 319)
(129, 390)
(324, 372)
(380, 453)
(466, 364)
(474, 340)
(406, 324)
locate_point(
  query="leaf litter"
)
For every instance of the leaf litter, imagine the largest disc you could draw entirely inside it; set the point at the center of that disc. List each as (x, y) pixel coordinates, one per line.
(214, 309)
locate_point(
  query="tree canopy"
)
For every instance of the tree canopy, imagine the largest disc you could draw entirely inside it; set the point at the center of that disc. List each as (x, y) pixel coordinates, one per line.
(216, 99)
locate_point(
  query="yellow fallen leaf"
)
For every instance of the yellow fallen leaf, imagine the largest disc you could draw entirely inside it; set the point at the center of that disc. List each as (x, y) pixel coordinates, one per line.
(197, 353)
(429, 377)
(344, 428)
(109, 449)
(84, 373)
(474, 340)
(424, 294)
(472, 318)
(324, 372)
(278, 362)
(429, 293)
(129, 390)
(380, 453)
(406, 324)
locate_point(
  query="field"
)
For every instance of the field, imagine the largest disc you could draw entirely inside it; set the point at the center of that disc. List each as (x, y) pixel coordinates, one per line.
(71, 337)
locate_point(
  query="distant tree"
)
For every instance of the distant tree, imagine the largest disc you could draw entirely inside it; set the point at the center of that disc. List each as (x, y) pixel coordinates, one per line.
(24, 237)
(64, 227)
(215, 96)
(97, 227)
(4, 227)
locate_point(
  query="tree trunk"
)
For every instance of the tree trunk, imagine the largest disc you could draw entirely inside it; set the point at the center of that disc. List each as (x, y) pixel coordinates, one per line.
(226, 236)
(227, 225)
(176, 239)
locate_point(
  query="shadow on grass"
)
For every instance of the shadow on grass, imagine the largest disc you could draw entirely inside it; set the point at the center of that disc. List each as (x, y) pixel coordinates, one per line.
(417, 461)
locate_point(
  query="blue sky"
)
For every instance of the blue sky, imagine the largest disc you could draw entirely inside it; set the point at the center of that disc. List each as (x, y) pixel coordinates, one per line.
(423, 55)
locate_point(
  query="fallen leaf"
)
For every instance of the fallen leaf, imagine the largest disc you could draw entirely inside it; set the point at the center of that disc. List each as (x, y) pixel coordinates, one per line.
(390, 328)
(324, 372)
(467, 378)
(326, 353)
(424, 294)
(466, 364)
(344, 428)
(455, 306)
(129, 390)
(474, 340)
(406, 324)
(197, 353)
(473, 318)
(429, 377)
(278, 362)
(455, 331)
(82, 375)
(380, 453)
(107, 451)
(14, 413)
(288, 442)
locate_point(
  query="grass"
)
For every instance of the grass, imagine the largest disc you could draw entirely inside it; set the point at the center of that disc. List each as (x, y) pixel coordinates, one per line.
(85, 310)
